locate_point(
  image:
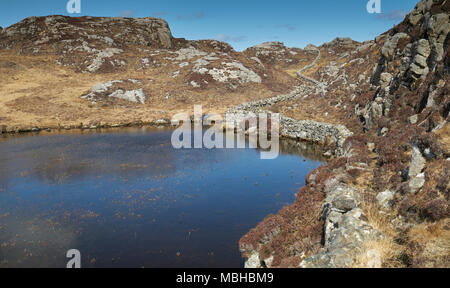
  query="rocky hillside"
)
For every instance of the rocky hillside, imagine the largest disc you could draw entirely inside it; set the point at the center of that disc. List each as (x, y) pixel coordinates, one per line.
(61, 70)
(380, 108)
(385, 201)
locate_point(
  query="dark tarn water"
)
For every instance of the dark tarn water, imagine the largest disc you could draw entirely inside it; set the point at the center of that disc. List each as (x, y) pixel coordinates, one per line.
(126, 198)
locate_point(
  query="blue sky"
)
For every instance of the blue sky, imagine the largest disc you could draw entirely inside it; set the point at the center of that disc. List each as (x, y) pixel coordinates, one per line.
(242, 23)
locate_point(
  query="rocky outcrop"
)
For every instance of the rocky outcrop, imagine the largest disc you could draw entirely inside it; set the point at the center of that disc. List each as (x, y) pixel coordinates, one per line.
(106, 92)
(404, 96)
(415, 169)
(212, 67)
(436, 24)
(202, 67)
(417, 163)
(418, 44)
(385, 199)
(304, 130)
(344, 230)
(273, 53)
(230, 71)
(372, 112)
(56, 29)
(389, 49)
(342, 42)
(346, 234)
(419, 67)
(99, 40)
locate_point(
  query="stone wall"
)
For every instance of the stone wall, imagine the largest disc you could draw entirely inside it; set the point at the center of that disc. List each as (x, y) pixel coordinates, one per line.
(314, 131)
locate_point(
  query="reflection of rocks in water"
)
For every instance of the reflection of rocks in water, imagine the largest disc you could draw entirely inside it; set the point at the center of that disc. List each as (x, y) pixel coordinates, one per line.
(132, 153)
(305, 149)
(128, 153)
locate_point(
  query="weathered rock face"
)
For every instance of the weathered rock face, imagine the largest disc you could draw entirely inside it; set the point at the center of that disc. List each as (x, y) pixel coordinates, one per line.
(344, 237)
(385, 199)
(417, 163)
(38, 31)
(273, 53)
(343, 43)
(419, 67)
(115, 45)
(415, 169)
(389, 49)
(344, 229)
(129, 90)
(416, 183)
(419, 44)
(385, 80)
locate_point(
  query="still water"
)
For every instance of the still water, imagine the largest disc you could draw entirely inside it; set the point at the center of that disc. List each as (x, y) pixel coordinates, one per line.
(126, 198)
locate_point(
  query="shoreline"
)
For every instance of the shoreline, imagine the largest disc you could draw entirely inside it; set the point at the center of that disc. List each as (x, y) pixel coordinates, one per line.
(290, 134)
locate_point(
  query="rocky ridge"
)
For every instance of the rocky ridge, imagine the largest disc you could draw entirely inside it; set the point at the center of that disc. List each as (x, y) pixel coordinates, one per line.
(375, 205)
(100, 41)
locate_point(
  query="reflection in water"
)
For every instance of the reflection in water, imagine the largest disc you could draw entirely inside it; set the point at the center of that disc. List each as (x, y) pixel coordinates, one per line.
(126, 198)
(305, 149)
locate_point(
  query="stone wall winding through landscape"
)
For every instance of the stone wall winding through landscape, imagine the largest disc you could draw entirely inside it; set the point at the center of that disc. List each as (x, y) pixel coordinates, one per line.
(344, 229)
(304, 130)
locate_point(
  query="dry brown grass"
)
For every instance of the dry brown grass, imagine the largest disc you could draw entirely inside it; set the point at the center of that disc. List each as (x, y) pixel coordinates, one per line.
(444, 137)
(426, 232)
(383, 253)
(429, 245)
(424, 245)
(379, 254)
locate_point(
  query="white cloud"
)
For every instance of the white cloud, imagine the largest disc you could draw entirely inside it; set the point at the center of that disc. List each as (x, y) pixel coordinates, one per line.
(227, 38)
(127, 13)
